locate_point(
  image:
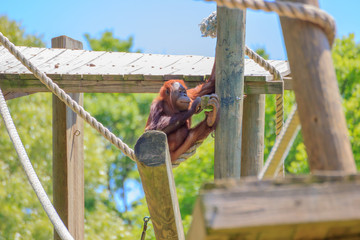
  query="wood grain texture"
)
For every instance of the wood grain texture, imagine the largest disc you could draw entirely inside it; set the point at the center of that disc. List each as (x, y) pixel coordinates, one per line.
(68, 158)
(83, 62)
(230, 88)
(312, 207)
(154, 165)
(27, 83)
(96, 71)
(252, 149)
(317, 95)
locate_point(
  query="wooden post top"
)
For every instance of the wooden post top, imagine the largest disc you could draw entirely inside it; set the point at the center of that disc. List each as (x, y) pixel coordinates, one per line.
(150, 148)
(66, 42)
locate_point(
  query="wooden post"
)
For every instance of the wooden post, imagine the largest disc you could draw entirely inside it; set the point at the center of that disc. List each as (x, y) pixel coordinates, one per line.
(252, 148)
(317, 95)
(229, 87)
(68, 157)
(154, 165)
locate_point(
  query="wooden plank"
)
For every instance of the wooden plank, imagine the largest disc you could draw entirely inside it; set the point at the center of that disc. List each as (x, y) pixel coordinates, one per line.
(61, 60)
(253, 129)
(68, 158)
(12, 95)
(155, 169)
(230, 89)
(197, 229)
(312, 207)
(121, 83)
(78, 62)
(317, 96)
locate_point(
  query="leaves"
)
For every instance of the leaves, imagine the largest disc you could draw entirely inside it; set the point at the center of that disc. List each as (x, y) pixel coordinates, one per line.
(16, 34)
(111, 179)
(109, 43)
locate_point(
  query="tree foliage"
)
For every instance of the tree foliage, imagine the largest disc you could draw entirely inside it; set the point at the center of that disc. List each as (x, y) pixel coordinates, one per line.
(16, 34)
(108, 42)
(114, 207)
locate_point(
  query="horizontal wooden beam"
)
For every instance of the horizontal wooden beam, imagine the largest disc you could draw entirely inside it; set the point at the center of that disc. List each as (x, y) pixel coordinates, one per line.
(312, 207)
(126, 83)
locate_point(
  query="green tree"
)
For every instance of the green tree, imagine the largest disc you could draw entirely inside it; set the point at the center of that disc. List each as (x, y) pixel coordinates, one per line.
(108, 42)
(346, 57)
(21, 215)
(126, 119)
(16, 34)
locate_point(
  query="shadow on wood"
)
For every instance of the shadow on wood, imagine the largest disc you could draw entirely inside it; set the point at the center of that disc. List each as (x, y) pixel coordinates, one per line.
(154, 165)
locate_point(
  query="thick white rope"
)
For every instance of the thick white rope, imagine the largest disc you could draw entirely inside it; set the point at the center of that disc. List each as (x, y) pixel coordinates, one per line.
(63, 96)
(300, 11)
(30, 172)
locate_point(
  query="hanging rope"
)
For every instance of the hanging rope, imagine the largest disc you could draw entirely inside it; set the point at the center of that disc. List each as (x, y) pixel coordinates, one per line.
(279, 98)
(300, 11)
(30, 172)
(63, 96)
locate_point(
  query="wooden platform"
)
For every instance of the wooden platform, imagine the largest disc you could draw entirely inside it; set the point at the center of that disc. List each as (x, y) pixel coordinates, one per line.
(95, 71)
(312, 207)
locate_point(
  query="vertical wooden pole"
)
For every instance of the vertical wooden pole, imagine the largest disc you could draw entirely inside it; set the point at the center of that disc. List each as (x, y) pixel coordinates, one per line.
(154, 165)
(68, 158)
(252, 148)
(229, 87)
(317, 95)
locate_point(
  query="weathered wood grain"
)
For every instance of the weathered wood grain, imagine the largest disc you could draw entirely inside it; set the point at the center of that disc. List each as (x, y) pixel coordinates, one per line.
(77, 62)
(230, 89)
(312, 207)
(92, 71)
(68, 157)
(317, 96)
(26, 83)
(253, 130)
(154, 165)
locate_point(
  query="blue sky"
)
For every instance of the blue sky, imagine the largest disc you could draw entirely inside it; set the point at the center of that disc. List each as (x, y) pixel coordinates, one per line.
(160, 26)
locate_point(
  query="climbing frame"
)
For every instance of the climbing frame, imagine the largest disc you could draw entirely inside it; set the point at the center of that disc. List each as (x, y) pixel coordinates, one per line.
(312, 207)
(95, 71)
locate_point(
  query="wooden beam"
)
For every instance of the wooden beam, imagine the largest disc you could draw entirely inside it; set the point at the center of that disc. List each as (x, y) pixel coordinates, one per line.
(252, 148)
(275, 162)
(154, 165)
(312, 207)
(317, 96)
(125, 84)
(68, 157)
(230, 89)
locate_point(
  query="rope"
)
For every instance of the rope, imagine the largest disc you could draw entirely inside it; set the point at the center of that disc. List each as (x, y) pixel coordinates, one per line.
(277, 76)
(300, 11)
(208, 27)
(63, 96)
(30, 172)
(189, 153)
